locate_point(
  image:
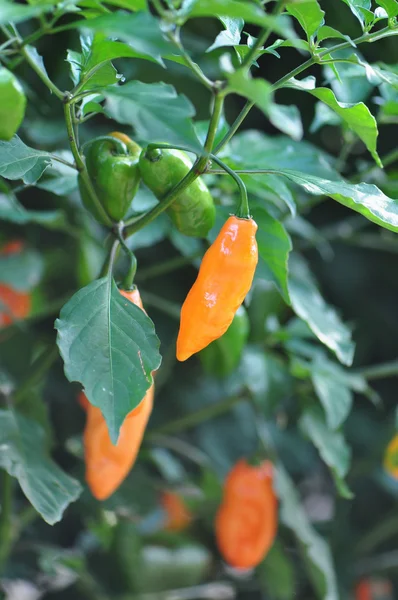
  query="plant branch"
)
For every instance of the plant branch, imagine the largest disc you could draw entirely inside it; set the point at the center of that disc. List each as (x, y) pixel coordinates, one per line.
(175, 39)
(243, 210)
(389, 369)
(63, 161)
(262, 38)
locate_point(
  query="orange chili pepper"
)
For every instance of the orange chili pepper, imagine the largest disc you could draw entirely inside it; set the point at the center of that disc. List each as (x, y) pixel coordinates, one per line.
(391, 458)
(108, 465)
(225, 277)
(178, 516)
(374, 589)
(13, 304)
(246, 521)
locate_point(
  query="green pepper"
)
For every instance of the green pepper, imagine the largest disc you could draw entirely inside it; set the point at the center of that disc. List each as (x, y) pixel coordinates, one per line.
(113, 169)
(222, 356)
(12, 104)
(193, 212)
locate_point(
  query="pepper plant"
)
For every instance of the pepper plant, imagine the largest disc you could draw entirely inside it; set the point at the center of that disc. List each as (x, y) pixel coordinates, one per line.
(130, 131)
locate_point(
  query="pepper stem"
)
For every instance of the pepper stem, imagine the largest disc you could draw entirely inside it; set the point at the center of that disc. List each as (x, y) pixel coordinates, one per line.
(121, 146)
(243, 211)
(128, 281)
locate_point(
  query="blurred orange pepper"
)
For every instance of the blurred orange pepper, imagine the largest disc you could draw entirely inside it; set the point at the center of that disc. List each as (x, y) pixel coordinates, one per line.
(178, 516)
(13, 304)
(374, 589)
(391, 458)
(246, 522)
(108, 465)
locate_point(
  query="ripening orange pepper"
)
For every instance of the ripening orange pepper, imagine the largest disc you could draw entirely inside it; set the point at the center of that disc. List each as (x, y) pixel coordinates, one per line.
(107, 465)
(391, 458)
(225, 277)
(374, 589)
(246, 522)
(13, 303)
(178, 516)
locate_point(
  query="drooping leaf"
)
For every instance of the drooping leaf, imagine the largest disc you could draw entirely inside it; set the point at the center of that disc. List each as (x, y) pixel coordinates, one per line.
(21, 271)
(314, 548)
(24, 455)
(309, 15)
(155, 110)
(230, 36)
(109, 345)
(312, 308)
(274, 246)
(141, 31)
(18, 161)
(331, 446)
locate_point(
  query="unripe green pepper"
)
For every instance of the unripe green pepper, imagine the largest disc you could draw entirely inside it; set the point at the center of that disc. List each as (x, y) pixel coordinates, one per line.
(113, 169)
(12, 104)
(222, 356)
(193, 212)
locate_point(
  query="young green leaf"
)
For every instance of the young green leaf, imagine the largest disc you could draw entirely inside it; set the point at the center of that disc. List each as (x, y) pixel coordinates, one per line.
(18, 161)
(309, 15)
(141, 31)
(109, 345)
(362, 10)
(309, 305)
(390, 6)
(274, 246)
(92, 65)
(230, 36)
(155, 111)
(331, 446)
(24, 455)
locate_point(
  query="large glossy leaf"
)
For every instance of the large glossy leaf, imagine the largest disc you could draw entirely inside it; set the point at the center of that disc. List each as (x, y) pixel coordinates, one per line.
(11, 210)
(18, 161)
(274, 246)
(109, 345)
(331, 446)
(316, 551)
(312, 308)
(21, 271)
(24, 455)
(309, 15)
(141, 31)
(155, 110)
(364, 198)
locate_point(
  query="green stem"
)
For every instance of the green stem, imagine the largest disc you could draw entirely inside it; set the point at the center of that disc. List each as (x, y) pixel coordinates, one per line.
(384, 530)
(6, 533)
(213, 125)
(241, 171)
(129, 278)
(167, 266)
(81, 167)
(243, 211)
(389, 369)
(195, 418)
(113, 256)
(262, 38)
(36, 373)
(64, 162)
(41, 74)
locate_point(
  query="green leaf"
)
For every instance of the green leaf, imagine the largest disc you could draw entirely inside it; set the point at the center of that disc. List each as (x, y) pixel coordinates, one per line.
(36, 58)
(314, 548)
(274, 245)
(230, 36)
(21, 271)
(327, 33)
(390, 6)
(109, 345)
(364, 198)
(11, 210)
(331, 446)
(155, 111)
(18, 161)
(140, 30)
(276, 574)
(362, 10)
(322, 319)
(309, 15)
(135, 5)
(59, 179)
(24, 455)
(257, 90)
(268, 187)
(286, 119)
(356, 116)
(92, 64)
(13, 12)
(333, 386)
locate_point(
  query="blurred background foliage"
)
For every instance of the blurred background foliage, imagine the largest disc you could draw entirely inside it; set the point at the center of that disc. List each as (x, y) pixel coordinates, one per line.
(118, 549)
